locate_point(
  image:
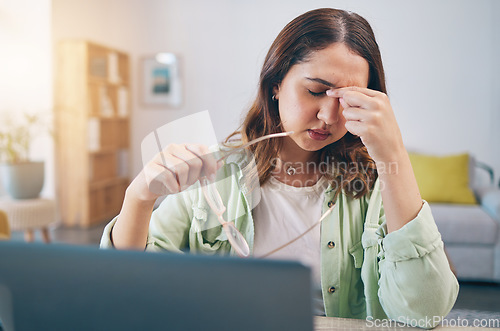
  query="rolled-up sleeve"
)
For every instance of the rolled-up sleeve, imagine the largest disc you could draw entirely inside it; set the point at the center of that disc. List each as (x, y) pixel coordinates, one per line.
(168, 227)
(106, 241)
(416, 284)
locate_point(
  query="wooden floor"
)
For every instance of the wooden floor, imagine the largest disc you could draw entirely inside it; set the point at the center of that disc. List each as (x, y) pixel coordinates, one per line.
(475, 296)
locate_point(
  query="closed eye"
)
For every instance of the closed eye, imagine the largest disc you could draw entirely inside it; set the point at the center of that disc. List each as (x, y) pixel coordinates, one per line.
(317, 94)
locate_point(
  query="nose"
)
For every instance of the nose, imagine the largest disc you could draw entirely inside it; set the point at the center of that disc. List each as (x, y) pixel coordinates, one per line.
(330, 111)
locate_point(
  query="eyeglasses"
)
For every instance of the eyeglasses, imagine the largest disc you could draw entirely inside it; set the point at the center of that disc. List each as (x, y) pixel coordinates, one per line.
(234, 236)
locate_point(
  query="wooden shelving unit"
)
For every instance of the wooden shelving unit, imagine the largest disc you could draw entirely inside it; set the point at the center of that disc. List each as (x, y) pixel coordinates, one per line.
(92, 131)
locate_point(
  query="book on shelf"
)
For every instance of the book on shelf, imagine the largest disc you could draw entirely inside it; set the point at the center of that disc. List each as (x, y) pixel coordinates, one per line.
(113, 72)
(122, 101)
(94, 134)
(106, 107)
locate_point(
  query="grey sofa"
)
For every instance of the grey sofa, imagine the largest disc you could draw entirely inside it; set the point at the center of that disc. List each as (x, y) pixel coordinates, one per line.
(471, 233)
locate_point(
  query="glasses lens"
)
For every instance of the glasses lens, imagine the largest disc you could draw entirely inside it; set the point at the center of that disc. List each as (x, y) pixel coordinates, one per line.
(237, 240)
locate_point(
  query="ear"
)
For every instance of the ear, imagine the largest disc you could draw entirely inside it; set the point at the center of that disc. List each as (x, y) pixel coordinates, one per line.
(276, 90)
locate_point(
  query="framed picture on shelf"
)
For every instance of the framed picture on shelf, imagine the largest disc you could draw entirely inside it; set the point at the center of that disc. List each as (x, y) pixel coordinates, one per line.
(161, 81)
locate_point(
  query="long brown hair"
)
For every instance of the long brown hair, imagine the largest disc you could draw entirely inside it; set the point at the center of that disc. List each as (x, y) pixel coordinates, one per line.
(309, 32)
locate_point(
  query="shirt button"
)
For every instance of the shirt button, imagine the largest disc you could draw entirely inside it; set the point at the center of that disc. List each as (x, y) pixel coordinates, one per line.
(331, 289)
(331, 244)
(330, 204)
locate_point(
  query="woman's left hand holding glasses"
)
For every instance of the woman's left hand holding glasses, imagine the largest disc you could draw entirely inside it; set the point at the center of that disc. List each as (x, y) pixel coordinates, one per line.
(172, 170)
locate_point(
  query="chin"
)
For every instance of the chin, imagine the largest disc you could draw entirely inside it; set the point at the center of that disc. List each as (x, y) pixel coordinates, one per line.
(311, 145)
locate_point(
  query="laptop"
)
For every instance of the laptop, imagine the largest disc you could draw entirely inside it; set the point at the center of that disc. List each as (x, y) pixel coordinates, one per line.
(62, 287)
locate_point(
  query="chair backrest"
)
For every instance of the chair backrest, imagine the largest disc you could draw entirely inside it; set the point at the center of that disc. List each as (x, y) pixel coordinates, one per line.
(4, 226)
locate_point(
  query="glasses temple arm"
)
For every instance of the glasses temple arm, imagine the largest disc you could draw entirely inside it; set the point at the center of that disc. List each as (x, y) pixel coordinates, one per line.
(300, 236)
(269, 136)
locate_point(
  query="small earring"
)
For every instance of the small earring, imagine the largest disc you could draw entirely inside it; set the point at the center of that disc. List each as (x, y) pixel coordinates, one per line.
(273, 97)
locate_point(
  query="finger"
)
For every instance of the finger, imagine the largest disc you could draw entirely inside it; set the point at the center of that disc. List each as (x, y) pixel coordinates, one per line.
(343, 103)
(187, 166)
(358, 99)
(357, 114)
(176, 166)
(161, 180)
(357, 128)
(339, 92)
(210, 165)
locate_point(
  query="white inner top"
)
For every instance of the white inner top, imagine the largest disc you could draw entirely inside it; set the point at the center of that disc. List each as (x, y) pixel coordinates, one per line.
(285, 212)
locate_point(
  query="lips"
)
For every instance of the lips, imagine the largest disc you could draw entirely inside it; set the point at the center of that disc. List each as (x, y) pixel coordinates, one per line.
(318, 134)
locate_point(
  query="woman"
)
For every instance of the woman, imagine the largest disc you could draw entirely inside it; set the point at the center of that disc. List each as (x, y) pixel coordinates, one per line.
(378, 252)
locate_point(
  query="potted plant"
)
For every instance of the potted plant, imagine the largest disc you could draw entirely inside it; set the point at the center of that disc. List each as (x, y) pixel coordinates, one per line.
(22, 177)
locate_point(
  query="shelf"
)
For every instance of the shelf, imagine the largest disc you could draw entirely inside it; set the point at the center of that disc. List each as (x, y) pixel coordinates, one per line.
(107, 182)
(106, 200)
(107, 133)
(103, 151)
(104, 81)
(108, 101)
(108, 164)
(92, 116)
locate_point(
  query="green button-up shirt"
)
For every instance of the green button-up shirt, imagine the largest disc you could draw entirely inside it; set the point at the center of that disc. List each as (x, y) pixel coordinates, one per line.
(365, 273)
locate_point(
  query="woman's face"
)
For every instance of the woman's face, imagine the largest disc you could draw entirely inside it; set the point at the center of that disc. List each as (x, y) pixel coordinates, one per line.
(303, 104)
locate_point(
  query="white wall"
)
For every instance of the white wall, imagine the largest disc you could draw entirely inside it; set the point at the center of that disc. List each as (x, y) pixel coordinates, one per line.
(439, 58)
(26, 70)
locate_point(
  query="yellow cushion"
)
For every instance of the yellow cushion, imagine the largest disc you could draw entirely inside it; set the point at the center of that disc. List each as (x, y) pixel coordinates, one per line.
(443, 178)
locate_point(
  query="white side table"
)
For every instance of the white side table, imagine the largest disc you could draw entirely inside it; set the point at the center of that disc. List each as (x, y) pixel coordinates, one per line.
(29, 215)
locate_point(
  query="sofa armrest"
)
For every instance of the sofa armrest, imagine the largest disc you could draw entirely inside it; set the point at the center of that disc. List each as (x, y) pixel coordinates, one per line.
(489, 198)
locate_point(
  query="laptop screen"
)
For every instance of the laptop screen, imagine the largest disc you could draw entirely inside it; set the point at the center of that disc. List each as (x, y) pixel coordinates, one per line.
(63, 287)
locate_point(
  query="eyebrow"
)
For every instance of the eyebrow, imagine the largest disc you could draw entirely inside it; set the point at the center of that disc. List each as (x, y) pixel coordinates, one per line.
(321, 81)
